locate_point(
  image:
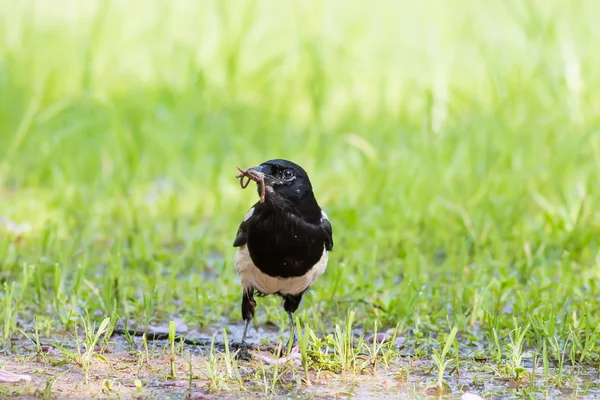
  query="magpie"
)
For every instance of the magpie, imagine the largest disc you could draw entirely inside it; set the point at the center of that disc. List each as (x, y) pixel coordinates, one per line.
(283, 241)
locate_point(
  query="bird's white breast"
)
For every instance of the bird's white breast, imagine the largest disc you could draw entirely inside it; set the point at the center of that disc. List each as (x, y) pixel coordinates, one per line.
(254, 278)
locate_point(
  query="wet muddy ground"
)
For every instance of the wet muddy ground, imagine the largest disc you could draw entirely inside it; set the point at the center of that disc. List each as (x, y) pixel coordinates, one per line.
(150, 369)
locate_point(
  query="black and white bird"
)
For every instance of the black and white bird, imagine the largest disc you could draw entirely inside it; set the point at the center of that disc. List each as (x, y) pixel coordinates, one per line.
(283, 242)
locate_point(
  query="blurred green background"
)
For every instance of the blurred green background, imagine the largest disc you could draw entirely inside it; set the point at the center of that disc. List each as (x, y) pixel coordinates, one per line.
(454, 145)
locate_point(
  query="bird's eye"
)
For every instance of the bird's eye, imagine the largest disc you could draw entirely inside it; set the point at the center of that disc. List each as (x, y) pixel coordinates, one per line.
(288, 174)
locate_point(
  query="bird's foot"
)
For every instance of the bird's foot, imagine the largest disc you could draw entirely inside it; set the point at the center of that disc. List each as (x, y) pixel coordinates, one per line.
(243, 354)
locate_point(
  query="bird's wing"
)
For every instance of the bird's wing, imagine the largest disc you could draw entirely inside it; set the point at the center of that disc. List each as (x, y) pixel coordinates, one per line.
(242, 234)
(326, 225)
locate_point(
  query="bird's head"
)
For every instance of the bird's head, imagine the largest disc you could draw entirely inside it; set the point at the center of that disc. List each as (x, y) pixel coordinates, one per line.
(286, 183)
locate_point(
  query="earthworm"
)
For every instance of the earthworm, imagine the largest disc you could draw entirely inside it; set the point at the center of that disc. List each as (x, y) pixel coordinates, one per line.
(252, 176)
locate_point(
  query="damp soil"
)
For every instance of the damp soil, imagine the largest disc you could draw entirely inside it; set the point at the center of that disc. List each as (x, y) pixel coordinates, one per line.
(136, 369)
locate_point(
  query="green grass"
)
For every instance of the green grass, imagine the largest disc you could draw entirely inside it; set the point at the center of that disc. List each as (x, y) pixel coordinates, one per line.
(454, 145)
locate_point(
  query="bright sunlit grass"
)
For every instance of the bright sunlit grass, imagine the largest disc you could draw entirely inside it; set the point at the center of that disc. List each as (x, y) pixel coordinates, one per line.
(454, 145)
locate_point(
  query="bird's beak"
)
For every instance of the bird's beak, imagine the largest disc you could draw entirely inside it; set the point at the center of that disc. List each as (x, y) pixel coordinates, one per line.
(259, 170)
(260, 173)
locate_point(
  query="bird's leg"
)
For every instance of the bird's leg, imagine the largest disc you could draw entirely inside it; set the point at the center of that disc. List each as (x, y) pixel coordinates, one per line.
(292, 340)
(290, 305)
(245, 332)
(248, 306)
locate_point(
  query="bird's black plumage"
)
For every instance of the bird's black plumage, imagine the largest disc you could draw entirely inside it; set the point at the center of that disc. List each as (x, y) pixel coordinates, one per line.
(283, 242)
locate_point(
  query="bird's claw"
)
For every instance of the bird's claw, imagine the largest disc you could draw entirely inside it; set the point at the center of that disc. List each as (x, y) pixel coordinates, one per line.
(243, 354)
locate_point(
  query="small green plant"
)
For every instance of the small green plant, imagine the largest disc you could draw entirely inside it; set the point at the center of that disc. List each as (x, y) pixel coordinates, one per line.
(36, 335)
(8, 316)
(439, 359)
(497, 347)
(146, 349)
(216, 377)
(559, 356)
(231, 362)
(545, 364)
(515, 350)
(92, 337)
(270, 375)
(47, 392)
(139, 385)
(303, 345)
(345, 351)
(128, 337)
(172, 356)
(149, 301)
(190, 374)
(380, 350)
